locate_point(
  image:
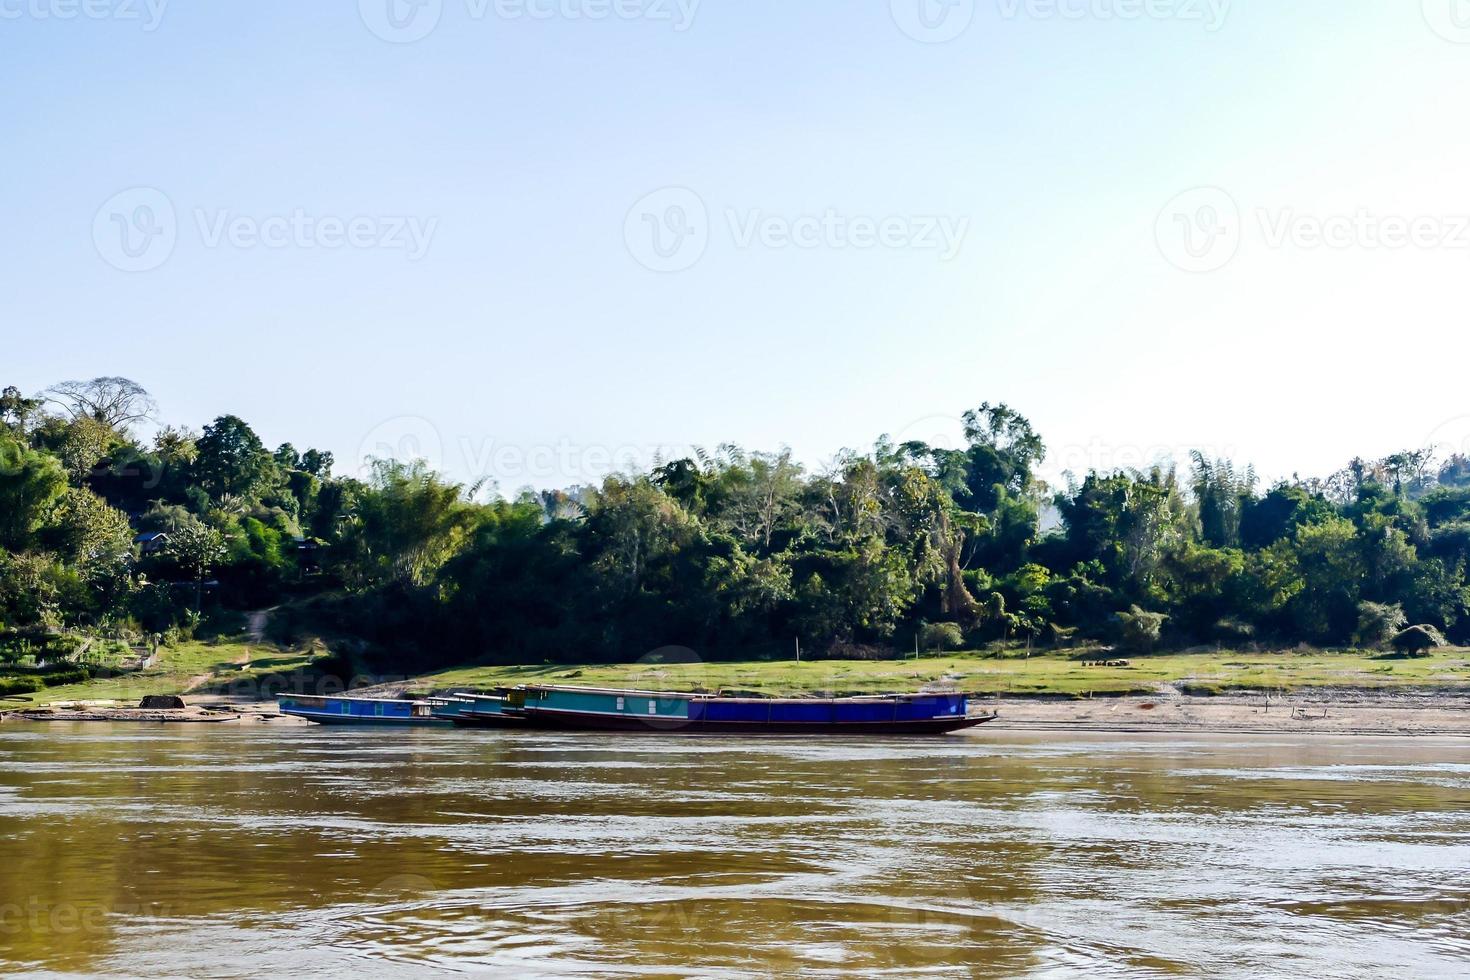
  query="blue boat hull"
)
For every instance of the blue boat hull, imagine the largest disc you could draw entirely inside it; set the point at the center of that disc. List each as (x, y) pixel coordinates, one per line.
(365, 721)
(554, 720)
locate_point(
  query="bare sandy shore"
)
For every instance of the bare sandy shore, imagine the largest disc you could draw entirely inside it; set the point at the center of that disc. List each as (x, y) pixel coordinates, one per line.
(243, 715)
(1324, 711)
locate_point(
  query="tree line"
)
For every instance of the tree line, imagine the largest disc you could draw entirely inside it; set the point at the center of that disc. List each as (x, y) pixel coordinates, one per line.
(730, 552)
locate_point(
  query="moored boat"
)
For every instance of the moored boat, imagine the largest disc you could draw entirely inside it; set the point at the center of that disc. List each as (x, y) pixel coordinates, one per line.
(343, 710)
(479, 711)
(596, 709)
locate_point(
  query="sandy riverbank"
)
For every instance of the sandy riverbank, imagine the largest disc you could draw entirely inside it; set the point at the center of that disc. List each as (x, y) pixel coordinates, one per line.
(1324, 711)
(248, 714)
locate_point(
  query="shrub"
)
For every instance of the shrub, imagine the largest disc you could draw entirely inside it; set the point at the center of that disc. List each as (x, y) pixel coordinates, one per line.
(1140, 629)
(18, 685)
(70, 675)
(1417, 641)
(943, 636)
(1233, 630)
(1378, 623)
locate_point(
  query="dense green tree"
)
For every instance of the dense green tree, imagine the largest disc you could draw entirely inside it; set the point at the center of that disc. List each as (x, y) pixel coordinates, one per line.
(31, 485)
(404, 525)
(16, 410)
(1003, 452)
(230, 460)
(196, 549)
(730, 552)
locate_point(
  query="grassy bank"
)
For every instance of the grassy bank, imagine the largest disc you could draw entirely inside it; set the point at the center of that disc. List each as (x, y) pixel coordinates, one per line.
(185, 667)
(1008, 673)
(233, 665)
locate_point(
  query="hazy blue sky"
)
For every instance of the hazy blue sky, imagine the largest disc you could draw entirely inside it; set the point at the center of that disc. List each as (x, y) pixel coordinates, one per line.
(522, 235)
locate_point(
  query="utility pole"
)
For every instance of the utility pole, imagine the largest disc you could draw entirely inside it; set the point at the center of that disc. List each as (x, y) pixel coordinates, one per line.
(798, 649)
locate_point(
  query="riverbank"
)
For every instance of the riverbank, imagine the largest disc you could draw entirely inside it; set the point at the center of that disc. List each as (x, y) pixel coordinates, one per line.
(203, 714)
(1324, 711)
(1297, 690)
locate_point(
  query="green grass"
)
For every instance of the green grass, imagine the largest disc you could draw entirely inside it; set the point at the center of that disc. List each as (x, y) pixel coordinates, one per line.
(180, 666)
(1005, 672)
(1009, 673)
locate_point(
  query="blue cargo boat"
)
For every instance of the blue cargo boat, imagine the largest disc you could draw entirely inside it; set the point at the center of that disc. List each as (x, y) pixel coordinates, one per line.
(371, 711)
(597, 709)
(554, 708)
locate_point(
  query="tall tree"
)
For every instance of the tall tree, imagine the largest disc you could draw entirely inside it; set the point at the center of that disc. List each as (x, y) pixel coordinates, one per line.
(113, 401)
(232, 461)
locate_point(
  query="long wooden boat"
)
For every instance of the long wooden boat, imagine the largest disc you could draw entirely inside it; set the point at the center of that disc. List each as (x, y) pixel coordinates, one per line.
(479, 711)
(610, 709)
(554, 708)
(380, 712)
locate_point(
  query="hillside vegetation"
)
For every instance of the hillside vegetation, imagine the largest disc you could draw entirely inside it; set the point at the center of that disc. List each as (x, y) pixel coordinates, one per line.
(115, 547)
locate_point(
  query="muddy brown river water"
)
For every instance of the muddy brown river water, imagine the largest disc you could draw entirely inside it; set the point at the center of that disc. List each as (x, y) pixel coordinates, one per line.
(217, 851)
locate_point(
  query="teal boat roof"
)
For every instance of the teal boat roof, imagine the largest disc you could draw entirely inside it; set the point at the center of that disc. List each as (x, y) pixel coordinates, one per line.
(707, 696)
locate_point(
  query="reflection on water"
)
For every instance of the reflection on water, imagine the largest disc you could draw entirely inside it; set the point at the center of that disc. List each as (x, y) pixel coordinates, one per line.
(230, 852)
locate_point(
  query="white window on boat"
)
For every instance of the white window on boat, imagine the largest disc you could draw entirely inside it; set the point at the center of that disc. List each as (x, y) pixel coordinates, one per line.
(653, 707)
(620, 704)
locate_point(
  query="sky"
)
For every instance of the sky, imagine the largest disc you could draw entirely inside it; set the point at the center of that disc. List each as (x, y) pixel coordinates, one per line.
(535, 240)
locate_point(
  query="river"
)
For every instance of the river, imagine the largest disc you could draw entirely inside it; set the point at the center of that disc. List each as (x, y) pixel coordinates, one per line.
(222, 851)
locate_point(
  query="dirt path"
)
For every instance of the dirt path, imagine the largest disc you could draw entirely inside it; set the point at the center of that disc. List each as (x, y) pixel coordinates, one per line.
(256, 623)
(198, 680)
